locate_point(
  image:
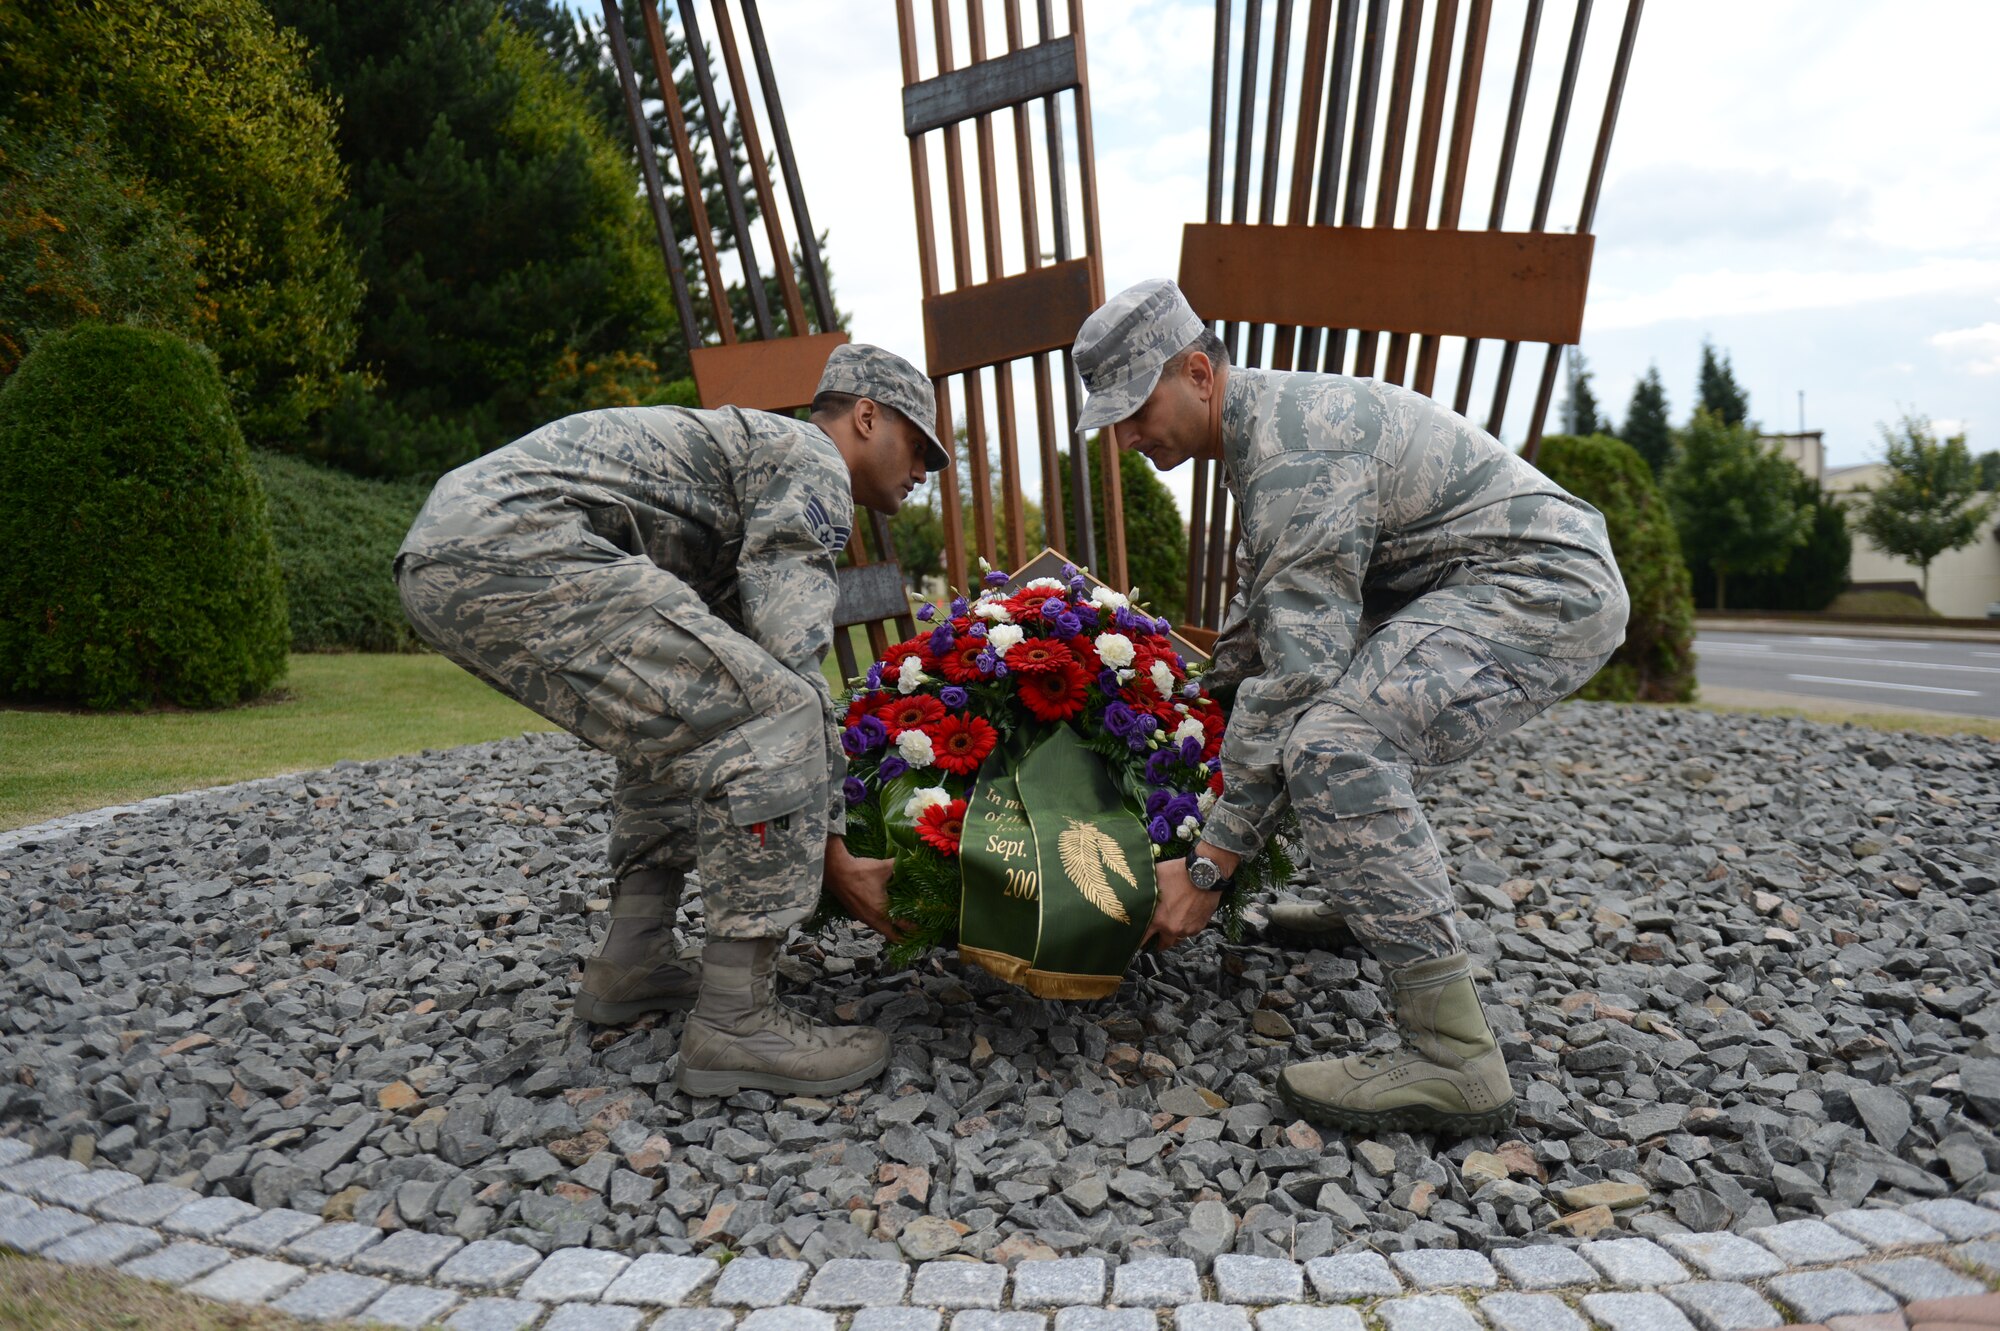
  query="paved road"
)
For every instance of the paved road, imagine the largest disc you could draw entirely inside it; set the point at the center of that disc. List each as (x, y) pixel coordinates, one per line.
(1884, 673)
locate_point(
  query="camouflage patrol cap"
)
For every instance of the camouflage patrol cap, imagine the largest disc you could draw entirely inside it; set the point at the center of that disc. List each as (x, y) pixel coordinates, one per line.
(1123, 345)
(859, 370)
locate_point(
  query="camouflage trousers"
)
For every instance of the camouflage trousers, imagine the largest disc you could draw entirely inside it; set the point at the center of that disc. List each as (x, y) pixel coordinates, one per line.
(721, 750)
(1415, 699)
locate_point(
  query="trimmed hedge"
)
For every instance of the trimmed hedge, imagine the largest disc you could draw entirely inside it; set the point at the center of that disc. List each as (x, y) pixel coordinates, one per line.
(337, 536)
(139, 564)
(1656, 663)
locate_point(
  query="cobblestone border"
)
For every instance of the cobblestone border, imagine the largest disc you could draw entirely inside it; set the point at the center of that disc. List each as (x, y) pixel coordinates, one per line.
(1928, 1263)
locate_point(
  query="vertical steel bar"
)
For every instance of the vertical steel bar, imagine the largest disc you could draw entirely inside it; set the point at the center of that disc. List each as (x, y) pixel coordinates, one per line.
(760, 174)
(1544, 191)
(1274, 117)
(718, 137)
(1053, 508)
(1436, 75)
(794, 189)
(1298, 206)
(704, 236)
(1082, 502)
(1218, 550)
(1361, 146)
(1194, 611)
(1339, 75)
(1246, 127)
(649, 169)
(1510, 138)
(1389, 187)
(1470, 70)
(1011, 508)
(1093, 242)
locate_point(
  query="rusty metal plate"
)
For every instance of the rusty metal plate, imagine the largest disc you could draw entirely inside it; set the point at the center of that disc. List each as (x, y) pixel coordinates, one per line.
(775, 375)
(995, 322)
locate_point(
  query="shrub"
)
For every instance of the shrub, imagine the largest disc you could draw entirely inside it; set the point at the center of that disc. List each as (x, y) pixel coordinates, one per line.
(1656, 663)
(1815, 573)
(337, 537)
(139, 561)
(1156, 539)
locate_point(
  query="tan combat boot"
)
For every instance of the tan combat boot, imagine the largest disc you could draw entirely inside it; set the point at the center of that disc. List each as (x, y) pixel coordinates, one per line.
(635, 970)
(1448, 1077)
(740, 1037)
(1308, 919)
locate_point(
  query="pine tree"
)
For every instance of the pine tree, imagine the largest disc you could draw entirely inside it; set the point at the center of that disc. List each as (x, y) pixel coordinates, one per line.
(1930, 502)
(1646, 427)
(1719, 393)
(1580, 416)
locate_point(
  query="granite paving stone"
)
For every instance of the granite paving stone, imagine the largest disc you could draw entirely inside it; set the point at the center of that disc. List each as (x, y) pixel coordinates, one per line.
(1426, 1312)
(28, 1176)
(178, 1263)
(660, 1280)
(1958, 1219)
(1883, 1229)
(82, 1192)
(1106, 1319)
(491, 1314)
(757, 1282)
(411, 1306)
(1808, 1242)
(1059, 1283)
(330, 1296)
(13, 1204)
(985, 1319)
(489, 1264)
(272, 1230)
(1209, 1317)
(955, 1285)
(248, 1280)
(1982, 1255)
(784, 1319)
(1308, 1317)
(408, 1254)
(571, 1274)
(694, 1319)
(609, 1317)
(145, 1206)
(1634, 1312)
(1543, 1266)
(1914, 1279)
(332, 1245)
(103, 1245)
(1529, 1312)
(1814, 1296)
(1724, 1256)
(1156, 1282)
(32, 1231)
(858, 1282)
(897, 1319)
(1445, 1268)
(13, 1152)
(1356, 1275)
(1634, 1263)
(1245, 1279)
(208, 1217)
(1724, 1305)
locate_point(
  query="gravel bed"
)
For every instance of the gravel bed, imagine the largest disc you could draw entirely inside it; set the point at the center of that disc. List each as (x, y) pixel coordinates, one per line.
(1744, 970)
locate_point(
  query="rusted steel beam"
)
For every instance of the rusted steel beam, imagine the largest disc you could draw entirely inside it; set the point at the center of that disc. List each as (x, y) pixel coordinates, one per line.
(1471, 66)
(776, 374)
(704, 238)
(1424, 174)
(808, 238)
(760, 174)
(732, 193)
(649, 170)
(981, 88)
(1361, 145)
(1510, 139)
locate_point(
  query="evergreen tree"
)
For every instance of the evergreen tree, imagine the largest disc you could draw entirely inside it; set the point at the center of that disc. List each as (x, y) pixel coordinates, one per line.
(1719, 393)
(1580, 415)
(1930, 502)
(1156, 549)
(1989, 469)
(1646, 427)
(1734, 500)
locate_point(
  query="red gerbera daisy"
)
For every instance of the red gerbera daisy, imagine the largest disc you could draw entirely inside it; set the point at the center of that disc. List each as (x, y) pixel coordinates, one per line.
(1084, 648)
(960, 665)
(861, 705)
(919, 647)
(1032, 656)
(909, 713)
(942, 825)
(961, 743)
(1056, 695)
(1215, 784)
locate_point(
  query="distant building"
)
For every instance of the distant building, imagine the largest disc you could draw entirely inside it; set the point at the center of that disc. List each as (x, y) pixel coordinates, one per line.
(1804, 450)
(1963, 582)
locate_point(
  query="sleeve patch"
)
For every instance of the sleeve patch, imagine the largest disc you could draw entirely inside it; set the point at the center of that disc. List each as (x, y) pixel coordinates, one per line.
(824, 529)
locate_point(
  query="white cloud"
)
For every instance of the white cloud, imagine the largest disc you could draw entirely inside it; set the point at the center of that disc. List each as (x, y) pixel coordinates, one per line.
(1979, 347)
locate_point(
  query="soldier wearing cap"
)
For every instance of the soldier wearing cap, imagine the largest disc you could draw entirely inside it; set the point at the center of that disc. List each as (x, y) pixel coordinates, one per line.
(1408, 590)
(660, 583)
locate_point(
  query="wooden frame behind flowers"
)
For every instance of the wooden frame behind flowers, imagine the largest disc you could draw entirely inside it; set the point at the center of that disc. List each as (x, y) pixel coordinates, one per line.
(944, 688)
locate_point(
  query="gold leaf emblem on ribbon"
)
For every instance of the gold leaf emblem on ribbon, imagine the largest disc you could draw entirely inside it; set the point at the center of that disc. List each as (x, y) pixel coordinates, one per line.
(1086, 852)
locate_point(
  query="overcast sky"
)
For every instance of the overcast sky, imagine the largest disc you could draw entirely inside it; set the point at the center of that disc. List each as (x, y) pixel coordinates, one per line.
(1812, 184)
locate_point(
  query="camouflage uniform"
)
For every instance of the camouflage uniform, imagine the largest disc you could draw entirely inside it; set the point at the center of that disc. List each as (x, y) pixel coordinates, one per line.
(1409, 590)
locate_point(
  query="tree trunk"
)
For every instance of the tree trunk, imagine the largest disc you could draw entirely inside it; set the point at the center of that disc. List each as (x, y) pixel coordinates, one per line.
(1924, 570)
(1721, 587)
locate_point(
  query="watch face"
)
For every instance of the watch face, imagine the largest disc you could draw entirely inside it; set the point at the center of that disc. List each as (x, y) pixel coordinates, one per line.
(1204, 874)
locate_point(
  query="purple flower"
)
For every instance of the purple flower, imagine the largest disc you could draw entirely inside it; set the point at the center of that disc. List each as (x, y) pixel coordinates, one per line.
(1163, 626)
(1190, 750)
(1120, 720)
(1159, 831)
(873, 733)
(1108, 680)
(1156, 768)
(926, 612)
(942, 638)
(1181, 807)
(953, 696)
(1190, 689)
(976, 631)
(1069, 572)
(1125, 619)
(1000, 669)
(1156, 803)
(875, 676)
(855, 789)
(1136, 742)
(1068, 625)
(851, 742)
(986, 661)
(1215, 764)
(996, 579)
(1088, 614)
(1053, 608)
(892, 767)
(960, 607)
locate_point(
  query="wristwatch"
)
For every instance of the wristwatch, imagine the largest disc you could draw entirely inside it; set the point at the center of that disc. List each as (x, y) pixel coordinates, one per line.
(1206, 874)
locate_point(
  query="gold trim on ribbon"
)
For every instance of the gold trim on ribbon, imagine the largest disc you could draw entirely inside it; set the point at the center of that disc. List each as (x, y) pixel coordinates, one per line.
(1042, 984)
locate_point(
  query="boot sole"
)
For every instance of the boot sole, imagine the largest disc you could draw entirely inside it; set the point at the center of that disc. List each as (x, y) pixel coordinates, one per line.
(598, 1012)
(1406, 1118)
(718, 1084)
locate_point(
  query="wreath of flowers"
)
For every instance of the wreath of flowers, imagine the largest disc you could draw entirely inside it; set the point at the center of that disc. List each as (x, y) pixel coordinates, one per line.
(1058, 651)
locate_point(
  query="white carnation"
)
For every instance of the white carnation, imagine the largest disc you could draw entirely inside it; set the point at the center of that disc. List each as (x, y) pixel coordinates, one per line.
(1163, 679)
(993, 611)
(1191, 729)
(1189, 829)
(1002, 637)
(1205, 801)
(915, 747)
(910, 675)
(1106, 599)
(933, 796)
(1114, 649)
(1046, 585)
